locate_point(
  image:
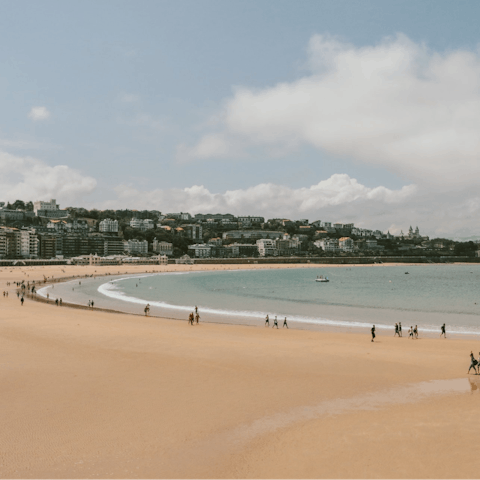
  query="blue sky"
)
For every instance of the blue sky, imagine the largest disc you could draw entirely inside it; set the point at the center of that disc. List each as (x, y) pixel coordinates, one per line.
(194, 105)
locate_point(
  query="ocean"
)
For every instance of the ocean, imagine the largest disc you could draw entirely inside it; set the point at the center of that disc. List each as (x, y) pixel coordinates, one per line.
(355, 297)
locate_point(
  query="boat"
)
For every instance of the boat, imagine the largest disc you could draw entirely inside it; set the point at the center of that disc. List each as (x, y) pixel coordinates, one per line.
(321, 278)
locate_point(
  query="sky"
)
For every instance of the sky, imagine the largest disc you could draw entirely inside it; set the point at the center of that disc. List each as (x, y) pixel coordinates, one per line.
(364, 112)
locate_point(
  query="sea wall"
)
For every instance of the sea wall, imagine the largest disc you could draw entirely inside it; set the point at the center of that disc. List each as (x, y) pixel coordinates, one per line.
(337, 260)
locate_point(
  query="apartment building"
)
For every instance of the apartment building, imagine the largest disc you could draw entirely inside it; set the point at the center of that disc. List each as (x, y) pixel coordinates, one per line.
(108, 225)
(163, 248)
(142, 225)
(135, 246)
(266, 247)
(193, 231)
(113, 246)
(346, 244)
(200, 250)
(328, 244)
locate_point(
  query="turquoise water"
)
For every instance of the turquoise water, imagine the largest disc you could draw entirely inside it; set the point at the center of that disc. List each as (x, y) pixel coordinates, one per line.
(355, 297)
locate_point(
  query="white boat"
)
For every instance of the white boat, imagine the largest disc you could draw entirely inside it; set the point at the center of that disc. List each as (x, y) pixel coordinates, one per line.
(321, 278)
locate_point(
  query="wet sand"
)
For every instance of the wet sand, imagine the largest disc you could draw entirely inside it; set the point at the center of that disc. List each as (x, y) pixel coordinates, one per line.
(89, 394)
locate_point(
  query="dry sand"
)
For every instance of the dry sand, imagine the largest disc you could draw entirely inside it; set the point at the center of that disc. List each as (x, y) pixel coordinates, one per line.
(88, 394)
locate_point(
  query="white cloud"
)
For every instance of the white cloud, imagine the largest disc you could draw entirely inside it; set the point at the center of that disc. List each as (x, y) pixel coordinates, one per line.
(28, 178)
(264, 199)
(396, 104)
(39, 113)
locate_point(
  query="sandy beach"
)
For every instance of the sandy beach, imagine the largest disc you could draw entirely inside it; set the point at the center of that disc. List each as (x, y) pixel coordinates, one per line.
(91, 394)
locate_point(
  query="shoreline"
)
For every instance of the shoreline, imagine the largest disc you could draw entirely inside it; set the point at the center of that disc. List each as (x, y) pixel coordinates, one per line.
(161, 310)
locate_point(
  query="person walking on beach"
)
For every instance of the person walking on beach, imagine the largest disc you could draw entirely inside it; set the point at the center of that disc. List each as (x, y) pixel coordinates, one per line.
(410, 332)
(473, 364)
(443, 332)
(267, 321)
(396, 330)
(275, 323)
(415, 332)
(399, 329)
(21, 301)
(285, 323)
(373, 333)
(190, 319)
(197, 317)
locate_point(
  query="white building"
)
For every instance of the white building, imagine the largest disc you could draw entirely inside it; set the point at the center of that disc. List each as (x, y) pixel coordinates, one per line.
(266, 247)
(328, 244)
(142, 225)
(163, 248)
(46, 206)
(136, 246)
(201, 250)
(108, 225)
(346, 244)
(49, 209)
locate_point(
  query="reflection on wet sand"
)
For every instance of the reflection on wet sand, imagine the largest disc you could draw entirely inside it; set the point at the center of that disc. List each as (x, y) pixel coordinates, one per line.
(231, 440)
(474, 384)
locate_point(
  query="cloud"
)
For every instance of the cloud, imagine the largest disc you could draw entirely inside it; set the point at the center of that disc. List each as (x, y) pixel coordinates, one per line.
(264, 199)
(397, 104)
(39, 113)
(28, 178)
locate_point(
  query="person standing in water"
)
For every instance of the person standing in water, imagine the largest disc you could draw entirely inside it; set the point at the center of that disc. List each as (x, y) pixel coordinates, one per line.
(275, 323)
(285, 323)
(443, 332)
(373, 333)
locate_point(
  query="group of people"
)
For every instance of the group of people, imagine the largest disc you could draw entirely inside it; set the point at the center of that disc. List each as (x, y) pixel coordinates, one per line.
(275, 322)
(194, 317)
(90, 303)
(58, 301)
(412, 332)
